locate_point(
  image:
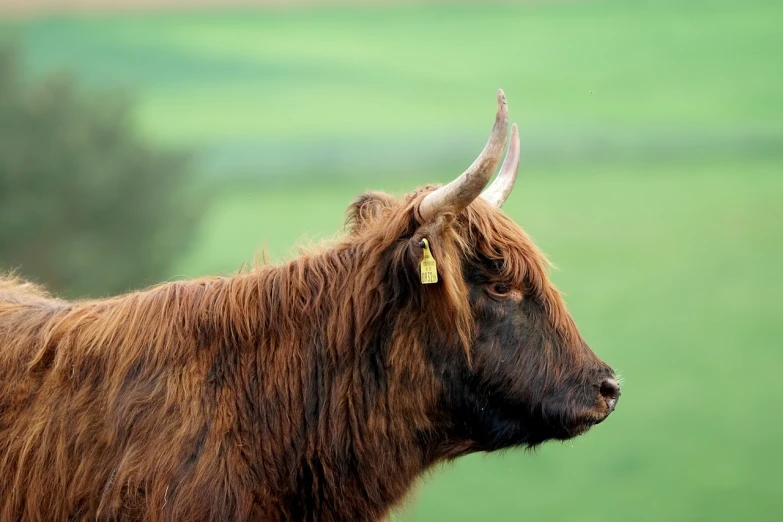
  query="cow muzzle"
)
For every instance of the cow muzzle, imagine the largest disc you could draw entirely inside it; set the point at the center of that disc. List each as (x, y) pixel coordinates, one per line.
(610, 393)
(604, 404)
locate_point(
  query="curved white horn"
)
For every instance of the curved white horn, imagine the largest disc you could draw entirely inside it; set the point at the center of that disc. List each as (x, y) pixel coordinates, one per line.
(459, 193)
(497, 193)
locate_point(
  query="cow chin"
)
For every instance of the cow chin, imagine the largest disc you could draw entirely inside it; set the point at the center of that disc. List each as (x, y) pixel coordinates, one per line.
(581, 424)
(507, 425)
(539, 424)
(579, 420)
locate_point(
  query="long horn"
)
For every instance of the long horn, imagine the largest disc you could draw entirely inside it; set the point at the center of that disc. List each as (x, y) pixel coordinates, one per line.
(497, 193)
(459, 193)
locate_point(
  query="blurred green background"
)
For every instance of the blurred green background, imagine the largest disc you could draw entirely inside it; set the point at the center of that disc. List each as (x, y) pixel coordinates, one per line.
(652, 175)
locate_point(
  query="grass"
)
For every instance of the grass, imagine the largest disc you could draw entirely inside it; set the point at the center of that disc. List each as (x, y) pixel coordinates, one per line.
(401, 70)
(653, 153)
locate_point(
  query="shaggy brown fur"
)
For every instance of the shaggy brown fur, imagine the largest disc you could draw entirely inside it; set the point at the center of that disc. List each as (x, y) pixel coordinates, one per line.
(313, 390)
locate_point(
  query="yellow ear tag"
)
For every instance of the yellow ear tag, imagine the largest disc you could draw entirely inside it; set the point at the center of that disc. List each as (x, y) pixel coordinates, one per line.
(429, 270)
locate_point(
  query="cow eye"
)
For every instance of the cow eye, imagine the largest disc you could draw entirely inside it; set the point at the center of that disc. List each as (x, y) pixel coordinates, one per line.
(501, 288)
(498, 289)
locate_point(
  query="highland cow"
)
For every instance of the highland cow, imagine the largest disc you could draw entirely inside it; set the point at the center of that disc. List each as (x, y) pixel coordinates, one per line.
(319, 389)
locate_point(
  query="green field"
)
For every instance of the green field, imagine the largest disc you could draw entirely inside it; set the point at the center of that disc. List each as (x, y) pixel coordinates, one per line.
(652, 175)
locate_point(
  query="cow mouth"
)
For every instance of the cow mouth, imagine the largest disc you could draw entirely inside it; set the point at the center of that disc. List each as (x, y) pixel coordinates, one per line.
(583, 422)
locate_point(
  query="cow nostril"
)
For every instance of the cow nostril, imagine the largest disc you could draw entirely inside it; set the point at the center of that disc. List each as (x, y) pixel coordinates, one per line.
(610, 391)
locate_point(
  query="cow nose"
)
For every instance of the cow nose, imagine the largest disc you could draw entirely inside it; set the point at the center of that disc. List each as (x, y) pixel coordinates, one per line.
(610, 391)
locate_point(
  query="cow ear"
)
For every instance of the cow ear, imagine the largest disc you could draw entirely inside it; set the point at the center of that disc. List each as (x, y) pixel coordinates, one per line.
(365, 208)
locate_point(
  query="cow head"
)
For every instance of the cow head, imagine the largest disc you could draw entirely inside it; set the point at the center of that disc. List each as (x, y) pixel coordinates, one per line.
(509, 363)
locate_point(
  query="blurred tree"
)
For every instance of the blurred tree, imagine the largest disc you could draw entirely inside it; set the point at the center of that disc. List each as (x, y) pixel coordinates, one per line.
(86, 207)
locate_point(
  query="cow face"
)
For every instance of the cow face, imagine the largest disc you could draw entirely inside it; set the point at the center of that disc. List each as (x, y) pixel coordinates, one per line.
(529, 376)
(516, 371)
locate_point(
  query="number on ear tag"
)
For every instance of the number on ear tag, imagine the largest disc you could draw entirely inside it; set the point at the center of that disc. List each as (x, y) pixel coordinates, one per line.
(428, 268)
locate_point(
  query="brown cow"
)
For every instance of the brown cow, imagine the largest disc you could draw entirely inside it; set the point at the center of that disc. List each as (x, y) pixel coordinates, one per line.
(319, 389)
